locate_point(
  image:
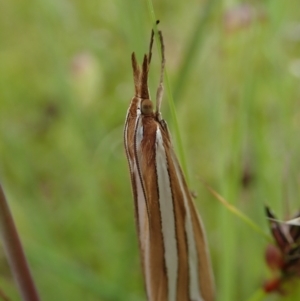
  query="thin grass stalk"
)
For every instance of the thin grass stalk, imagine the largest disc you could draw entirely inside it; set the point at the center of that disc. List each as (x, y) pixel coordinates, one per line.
(192, 48)
(15, 253)
(177, 135)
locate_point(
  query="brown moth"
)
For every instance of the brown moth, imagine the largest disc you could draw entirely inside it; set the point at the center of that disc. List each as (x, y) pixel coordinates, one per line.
(173, 247)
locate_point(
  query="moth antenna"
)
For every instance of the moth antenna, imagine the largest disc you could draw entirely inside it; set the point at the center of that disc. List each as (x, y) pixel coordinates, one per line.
(144, 92)
(151, 44)
(150, 47)
(136, 74)
(160, 89)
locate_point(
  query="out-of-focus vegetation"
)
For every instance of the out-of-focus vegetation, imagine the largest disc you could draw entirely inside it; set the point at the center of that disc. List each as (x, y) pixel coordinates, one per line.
(65, 85)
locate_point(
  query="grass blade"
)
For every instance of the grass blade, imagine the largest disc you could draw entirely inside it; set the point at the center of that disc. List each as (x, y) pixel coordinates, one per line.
(238, 213)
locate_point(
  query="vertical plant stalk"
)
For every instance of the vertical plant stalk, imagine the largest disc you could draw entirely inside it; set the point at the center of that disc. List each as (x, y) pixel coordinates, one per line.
(15, 253)
(177, 135)
(192, 48)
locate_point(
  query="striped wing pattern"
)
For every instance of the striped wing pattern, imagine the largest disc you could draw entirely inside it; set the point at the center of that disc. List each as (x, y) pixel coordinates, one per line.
(174, 254)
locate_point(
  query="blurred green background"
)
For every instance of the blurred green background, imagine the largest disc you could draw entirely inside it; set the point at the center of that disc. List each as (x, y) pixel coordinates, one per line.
(65, 85)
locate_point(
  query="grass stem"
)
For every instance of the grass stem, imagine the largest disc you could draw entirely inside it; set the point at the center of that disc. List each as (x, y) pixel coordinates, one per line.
(15, 253)
(177, 135)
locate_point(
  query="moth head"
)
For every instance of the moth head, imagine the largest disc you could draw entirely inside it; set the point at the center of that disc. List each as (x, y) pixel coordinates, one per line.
(146, 107)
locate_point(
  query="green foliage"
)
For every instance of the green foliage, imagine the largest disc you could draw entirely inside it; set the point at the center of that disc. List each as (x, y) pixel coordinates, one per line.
(65, 85)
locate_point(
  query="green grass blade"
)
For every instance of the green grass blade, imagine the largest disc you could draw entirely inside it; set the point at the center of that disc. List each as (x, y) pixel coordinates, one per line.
(238, 213)
(192, 48)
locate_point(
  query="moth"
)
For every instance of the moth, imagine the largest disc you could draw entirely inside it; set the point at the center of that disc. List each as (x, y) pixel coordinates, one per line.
(175, 259)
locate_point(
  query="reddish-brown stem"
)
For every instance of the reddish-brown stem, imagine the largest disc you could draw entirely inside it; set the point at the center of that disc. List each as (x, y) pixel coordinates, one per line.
(15, 254)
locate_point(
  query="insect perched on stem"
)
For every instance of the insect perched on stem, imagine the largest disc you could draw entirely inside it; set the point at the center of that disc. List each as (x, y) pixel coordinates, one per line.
(175, 259)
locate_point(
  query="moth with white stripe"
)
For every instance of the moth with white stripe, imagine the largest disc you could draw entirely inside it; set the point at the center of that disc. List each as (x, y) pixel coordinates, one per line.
(175, 259)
